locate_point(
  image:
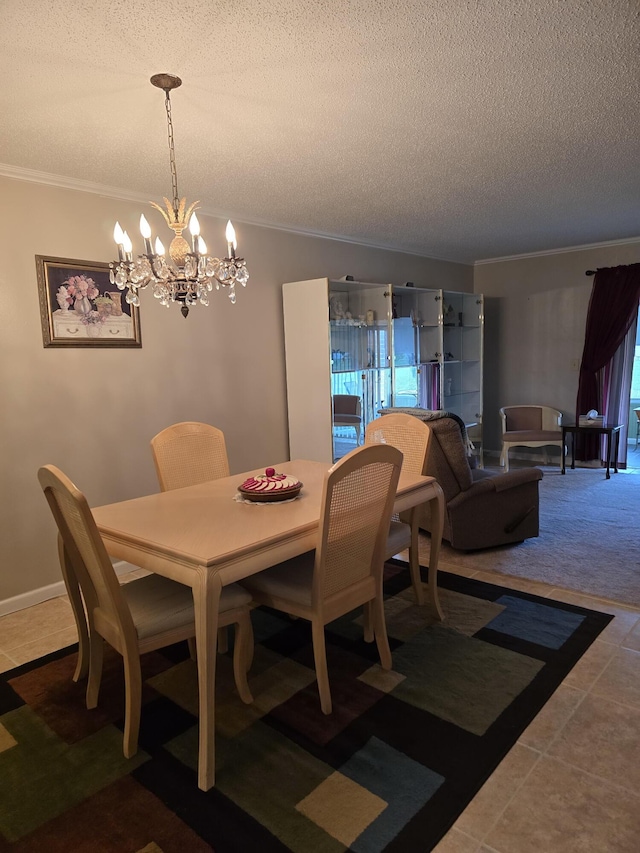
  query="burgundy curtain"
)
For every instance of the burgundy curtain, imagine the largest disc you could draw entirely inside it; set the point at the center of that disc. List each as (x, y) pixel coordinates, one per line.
(612, 308)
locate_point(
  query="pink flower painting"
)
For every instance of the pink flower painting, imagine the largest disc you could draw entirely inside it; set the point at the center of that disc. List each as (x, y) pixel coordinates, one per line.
(79, 286)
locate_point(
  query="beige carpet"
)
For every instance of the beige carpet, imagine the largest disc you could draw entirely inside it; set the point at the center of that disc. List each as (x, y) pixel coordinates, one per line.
(589, 537)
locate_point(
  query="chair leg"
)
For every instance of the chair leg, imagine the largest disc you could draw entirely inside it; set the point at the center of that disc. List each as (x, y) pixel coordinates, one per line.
(193, 652)
(132, 702)
(434, 598)
(320, 659)
(77, 606)
(96, 655)
(243, 655)
(380, 628)
(368, 622)
(505, 459)
(414, 560)
(223, 641)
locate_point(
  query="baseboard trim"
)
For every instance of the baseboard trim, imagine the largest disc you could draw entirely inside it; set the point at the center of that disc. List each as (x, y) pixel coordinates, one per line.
(53, 590)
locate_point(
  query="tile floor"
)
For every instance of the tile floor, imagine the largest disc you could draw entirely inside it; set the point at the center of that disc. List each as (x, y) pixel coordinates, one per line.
(572, 782)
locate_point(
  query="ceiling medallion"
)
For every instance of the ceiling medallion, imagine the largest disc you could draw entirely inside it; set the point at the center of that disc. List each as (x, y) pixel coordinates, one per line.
(189, 276)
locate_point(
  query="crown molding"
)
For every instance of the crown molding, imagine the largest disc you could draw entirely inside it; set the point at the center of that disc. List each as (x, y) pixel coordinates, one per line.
(19, 173)
(34, 176)
(585, 247)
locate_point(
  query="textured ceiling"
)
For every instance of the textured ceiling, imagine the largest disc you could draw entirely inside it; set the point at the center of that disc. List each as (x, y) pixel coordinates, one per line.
(454, 129)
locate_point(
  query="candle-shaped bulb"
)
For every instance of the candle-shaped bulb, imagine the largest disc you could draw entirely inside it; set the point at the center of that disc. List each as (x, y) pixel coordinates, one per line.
(145, 228)
(194, 225)
(194, 228)
(159, 247)
(231, 240)
(118, 234)
(127, 245)
(202, 246)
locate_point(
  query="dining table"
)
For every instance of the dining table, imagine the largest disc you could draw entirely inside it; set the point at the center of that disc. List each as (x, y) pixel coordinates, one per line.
(204, 536)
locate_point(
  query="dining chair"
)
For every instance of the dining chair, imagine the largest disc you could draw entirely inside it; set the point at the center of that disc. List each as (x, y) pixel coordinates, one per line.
(189, 453)
(345, 569)
(143, 615)
(411, 436)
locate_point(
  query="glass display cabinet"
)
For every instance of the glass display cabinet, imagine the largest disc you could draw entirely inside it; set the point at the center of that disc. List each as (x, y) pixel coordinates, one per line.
(353, 348)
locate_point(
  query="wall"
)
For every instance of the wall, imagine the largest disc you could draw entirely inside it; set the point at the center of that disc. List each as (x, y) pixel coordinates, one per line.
(535, 314)
(93, 412)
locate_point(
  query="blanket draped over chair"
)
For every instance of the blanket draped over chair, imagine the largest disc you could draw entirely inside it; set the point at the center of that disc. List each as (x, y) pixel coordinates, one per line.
(431, 415)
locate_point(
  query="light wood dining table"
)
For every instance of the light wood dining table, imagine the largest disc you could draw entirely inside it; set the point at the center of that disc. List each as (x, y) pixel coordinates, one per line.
(202, 537)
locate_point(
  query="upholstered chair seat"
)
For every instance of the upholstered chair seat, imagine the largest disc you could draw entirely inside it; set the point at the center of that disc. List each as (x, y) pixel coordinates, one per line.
(530, 426)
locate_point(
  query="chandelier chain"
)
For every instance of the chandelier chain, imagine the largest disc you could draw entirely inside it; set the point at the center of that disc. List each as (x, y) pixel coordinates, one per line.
(172, 153)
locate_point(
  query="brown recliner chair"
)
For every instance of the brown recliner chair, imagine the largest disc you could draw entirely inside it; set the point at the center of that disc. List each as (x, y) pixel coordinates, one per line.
(483, 509)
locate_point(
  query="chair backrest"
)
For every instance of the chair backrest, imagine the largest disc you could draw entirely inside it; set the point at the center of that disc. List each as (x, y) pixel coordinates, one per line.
(409, 434)
(347, 404)
(357, 503)
(106, 606)
(189, 453)
(447, 459)
(530, 418)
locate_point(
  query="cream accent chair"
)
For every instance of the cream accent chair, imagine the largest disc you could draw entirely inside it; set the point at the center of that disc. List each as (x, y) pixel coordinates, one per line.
(189, 453)
(347, 411)
(345, 570)
(141, 616)
(530, 426)
(411, 436)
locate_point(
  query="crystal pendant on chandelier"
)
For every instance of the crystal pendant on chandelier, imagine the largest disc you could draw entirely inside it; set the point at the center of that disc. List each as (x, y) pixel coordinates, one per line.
(188, 277)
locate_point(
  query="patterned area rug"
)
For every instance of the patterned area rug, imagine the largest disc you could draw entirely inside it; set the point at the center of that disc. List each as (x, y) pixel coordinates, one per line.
(390, 770)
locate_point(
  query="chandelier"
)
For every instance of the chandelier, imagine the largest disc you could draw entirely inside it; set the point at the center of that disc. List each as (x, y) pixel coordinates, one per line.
(188, 277)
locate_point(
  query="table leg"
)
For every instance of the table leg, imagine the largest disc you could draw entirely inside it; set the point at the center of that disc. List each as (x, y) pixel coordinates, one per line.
(574, 435)
(609, 446)
(437, 524)
(617, 451)
(206, 601)
(563, 451)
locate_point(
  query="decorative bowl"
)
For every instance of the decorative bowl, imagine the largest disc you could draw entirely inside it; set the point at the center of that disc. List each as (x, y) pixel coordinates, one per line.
(268, 497)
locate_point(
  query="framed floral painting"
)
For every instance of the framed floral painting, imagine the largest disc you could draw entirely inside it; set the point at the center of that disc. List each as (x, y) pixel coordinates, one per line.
(79, 307)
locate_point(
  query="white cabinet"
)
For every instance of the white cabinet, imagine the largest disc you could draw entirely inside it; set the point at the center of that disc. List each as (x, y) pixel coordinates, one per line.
(382, 345)
(337, 343)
